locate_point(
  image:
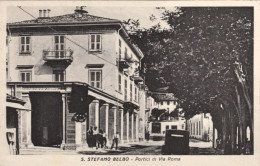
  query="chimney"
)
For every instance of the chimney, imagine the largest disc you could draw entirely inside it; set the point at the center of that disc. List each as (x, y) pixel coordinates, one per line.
(44, 13)
(80, 9)
(48, 12)
(40, 13)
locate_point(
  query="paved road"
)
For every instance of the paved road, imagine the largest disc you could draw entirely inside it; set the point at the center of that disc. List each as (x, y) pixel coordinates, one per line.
(143, 148)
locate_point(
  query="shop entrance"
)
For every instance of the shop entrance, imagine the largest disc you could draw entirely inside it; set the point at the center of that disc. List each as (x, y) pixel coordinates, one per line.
(46, 118)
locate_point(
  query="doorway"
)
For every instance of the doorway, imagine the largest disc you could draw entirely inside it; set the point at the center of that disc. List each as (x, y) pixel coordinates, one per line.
(46, 118)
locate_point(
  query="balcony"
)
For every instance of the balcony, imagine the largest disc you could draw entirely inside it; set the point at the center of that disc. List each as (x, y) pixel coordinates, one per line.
(58, 57)
(131, 105)
(138, 78)
(123, 64)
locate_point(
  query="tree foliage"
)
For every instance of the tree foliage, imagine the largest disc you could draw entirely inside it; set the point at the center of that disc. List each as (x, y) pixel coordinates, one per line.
(201, 57)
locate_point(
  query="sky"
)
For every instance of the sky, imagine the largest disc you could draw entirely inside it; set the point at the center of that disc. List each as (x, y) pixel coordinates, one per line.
(15, 14)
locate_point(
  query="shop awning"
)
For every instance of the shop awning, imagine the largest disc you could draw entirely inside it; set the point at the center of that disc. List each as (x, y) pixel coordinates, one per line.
(16, 106)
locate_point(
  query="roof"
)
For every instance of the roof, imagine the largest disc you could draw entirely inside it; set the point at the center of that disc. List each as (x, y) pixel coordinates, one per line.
(163, 96)
(14, 99)
(74, 19)
(67, 18)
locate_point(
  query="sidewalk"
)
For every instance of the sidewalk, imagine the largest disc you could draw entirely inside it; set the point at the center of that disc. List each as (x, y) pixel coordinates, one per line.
(39, 150)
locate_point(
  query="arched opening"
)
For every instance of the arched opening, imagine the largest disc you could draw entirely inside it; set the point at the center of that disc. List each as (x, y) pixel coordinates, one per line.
(248, 136)
(216, 137)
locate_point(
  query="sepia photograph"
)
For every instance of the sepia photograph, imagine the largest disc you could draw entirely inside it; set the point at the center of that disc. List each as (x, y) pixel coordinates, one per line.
(128, 80)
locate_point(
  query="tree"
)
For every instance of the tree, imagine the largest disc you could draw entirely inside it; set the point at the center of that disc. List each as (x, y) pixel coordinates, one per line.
(206, 58)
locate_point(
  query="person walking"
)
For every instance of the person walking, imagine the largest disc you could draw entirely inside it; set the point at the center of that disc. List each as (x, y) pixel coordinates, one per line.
(115, 140)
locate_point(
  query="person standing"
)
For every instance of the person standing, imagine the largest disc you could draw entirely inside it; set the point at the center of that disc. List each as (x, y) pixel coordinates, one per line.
(115, 140)
(100, 138)
(104, 136)
(90, 137)
(95, 133)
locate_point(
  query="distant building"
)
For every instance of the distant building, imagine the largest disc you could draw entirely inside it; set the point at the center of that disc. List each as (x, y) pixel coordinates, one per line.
(200, 127)
(70, 67)
(162, 114)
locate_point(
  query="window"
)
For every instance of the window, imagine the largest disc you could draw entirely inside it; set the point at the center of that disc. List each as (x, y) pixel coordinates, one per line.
(167, 127)
(95, 42)
(25, 44)
(161, 102)
(131, 91)
(119, 82)
(168, 102)
(58, 75)
(156, 127)
(95, 78)
(136, 93)
(125, 89)
(174, 127)
(120, 51)
(59, 44)
(25, 76)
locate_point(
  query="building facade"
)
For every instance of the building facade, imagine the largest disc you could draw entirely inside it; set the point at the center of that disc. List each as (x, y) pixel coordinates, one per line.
(200, 127)
(50, 59)
(165, 115)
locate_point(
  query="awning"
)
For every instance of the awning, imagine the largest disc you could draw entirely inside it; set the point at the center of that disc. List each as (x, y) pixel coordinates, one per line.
(17, 106)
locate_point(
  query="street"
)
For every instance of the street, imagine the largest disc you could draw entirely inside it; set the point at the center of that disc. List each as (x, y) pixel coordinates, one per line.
(138, 148)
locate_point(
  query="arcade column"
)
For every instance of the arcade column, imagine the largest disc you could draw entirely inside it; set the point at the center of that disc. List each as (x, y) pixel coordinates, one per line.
(111, 122)
(132, 127)
(94, 114)
(127, 126)
(121, 111)
(64, 108)
(28, 118)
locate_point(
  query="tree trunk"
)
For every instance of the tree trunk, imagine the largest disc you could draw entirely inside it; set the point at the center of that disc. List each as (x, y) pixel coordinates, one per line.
(245, 93)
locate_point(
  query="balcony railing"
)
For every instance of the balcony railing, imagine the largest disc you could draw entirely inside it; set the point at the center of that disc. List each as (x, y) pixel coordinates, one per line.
(123, 64)
(57, 55)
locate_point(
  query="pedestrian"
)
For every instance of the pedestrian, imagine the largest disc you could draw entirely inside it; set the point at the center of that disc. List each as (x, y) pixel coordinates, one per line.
(115, 140)
(147, 136)
(100, 138)
(95, 135)
(104, 136)
(90, 137)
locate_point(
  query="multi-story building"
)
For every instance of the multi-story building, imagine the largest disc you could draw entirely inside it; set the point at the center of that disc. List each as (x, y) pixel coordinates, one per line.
(168, 117)
(58, 63)
(200, 127)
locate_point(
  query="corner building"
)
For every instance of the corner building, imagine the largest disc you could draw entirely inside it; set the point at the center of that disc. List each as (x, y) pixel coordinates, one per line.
(47, 56)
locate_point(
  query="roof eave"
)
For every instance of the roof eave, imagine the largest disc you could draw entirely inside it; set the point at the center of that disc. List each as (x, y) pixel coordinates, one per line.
(12, 25)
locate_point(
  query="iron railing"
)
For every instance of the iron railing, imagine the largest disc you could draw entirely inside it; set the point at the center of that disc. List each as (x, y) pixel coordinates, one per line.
(57, 54)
